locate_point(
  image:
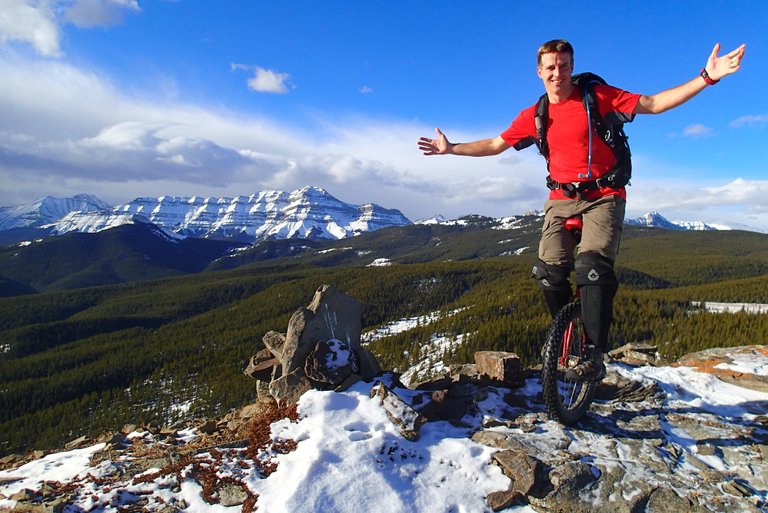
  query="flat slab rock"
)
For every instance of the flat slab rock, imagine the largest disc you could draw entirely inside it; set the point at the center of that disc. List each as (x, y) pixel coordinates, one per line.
(724, 363)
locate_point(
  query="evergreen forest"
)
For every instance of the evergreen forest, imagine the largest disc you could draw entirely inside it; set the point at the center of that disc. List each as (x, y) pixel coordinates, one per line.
(90, 359)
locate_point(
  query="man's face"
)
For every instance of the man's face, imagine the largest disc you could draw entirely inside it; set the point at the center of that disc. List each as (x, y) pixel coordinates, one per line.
(555, 71)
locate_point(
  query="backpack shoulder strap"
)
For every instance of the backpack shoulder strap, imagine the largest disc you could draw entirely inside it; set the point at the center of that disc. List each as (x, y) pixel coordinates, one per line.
(611, 132)
(586, 83)
(540, 117)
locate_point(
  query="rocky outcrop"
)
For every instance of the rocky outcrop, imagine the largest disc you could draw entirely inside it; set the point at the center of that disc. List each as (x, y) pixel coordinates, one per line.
(321, 349)
(635, 451)
(724, 363)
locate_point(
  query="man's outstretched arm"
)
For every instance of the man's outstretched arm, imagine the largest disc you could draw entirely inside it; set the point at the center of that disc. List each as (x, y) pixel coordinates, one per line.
(716, 68)
(441, 146)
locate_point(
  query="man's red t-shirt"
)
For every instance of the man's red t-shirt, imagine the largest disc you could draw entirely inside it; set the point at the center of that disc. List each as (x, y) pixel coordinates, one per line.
(568, 137)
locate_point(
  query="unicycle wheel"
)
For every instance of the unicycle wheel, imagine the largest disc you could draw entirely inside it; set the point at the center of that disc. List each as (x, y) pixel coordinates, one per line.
(567, 401)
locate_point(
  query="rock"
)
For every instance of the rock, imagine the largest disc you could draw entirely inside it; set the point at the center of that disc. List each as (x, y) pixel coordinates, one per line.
(520, 467)
(331, 362)
(738, 489)
(720, 362)
(274, 342)
(407, 420)
(369, 366)
(232, 494)
(10, 460)
(617, 388)
(433, 383)
(572, 477)
(208, 427)
(77, 442)
(451, 404)
(331, 315)
(296, 349)
(239, 421)
(498, 501)
(321, 348)
(288, 389)
(494, 439)
(262, 389)
(664, 500)
(128, 429)
(348, 382)
(636, 354)
(24, 495)
(114, 440)
(500, 366)
(260, 365)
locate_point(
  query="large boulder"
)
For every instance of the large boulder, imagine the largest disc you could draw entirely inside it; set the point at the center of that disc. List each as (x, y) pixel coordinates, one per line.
(321, 349)
(332, 314)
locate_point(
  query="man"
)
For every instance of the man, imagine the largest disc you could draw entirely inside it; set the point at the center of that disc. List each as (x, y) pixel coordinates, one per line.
(577, 160)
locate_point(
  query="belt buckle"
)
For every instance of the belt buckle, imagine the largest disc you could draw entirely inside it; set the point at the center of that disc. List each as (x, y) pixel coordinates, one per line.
(569, 189)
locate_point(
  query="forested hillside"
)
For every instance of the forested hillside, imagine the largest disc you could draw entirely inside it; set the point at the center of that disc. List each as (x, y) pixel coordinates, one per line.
(85, 360)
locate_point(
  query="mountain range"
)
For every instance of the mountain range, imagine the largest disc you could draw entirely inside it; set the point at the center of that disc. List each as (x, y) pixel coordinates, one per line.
(306, 213)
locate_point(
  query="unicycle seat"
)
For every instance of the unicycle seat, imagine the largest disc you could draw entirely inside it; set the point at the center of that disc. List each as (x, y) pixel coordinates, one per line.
(574, 224)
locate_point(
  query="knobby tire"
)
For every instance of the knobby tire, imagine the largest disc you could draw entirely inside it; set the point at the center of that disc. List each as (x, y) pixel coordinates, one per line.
(567, 400)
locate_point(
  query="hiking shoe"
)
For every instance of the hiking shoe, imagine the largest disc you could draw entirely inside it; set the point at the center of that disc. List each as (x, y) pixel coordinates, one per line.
(590, 368)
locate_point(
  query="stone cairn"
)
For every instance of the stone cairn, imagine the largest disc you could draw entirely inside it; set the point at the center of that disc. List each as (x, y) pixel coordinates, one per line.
(320, 350)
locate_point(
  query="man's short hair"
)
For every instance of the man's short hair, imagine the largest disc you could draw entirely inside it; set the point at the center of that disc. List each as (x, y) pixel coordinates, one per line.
(554, 46)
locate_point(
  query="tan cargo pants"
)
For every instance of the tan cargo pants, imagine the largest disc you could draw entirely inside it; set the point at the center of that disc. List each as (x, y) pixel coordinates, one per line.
(603, 219)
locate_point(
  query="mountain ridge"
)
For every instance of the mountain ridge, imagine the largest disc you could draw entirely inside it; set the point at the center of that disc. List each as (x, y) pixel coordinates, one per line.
(306, 213)
(309, 213)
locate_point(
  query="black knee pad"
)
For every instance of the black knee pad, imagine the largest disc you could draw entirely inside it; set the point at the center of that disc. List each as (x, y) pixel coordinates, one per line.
(551, 277)
(594, 269)
(554, 283)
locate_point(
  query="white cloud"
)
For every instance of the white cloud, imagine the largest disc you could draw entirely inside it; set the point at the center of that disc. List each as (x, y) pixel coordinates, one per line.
(737, 203)
(37, 22)
(366, 90)
(269, 81)
(88, 136)
(98, 13)
(739, 191)
(698, 130)
(33, 23)
(752, 121)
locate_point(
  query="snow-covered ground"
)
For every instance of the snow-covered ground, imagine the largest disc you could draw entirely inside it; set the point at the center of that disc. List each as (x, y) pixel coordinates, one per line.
(403, 325)
(711, 306)
(350, 457)
(431, 352)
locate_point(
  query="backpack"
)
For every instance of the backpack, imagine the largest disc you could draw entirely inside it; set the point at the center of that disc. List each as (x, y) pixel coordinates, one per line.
(610, 131)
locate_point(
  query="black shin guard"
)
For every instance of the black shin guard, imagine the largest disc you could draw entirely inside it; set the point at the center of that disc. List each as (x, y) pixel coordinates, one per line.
(597, 285)
(556, 299)
(555, 285)
(597, 313)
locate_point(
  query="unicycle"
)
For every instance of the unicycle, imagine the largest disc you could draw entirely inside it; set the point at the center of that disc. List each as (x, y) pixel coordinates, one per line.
(567, 400)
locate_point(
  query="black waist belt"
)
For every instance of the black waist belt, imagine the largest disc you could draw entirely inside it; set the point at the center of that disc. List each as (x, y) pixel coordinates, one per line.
(571, 189)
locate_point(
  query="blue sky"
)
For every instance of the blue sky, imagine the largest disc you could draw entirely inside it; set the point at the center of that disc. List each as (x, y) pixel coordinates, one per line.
(128, 98)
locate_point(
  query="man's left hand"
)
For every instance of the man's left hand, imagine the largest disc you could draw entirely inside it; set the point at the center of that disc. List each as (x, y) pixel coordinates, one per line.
(718, 67)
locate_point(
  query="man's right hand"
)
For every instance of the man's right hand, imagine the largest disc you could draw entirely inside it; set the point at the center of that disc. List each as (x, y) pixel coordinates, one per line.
(439, 146)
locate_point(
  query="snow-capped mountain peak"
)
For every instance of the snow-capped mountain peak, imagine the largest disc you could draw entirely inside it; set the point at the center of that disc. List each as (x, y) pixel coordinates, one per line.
(309, 212)
(48, 210)
(653, 219)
